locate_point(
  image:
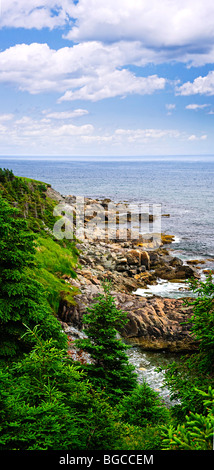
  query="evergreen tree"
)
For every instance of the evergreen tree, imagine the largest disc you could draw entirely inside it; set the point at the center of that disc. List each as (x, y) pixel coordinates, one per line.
(22, 298)
(47, 404)
(110, 369)
(202, 321)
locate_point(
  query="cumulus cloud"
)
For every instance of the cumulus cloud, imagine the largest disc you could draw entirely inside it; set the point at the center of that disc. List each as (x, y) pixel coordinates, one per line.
(114, 83)
(201, 85)
(88, 71)
(172, 30)
(169, 23)
(34, 13)
(156, 32)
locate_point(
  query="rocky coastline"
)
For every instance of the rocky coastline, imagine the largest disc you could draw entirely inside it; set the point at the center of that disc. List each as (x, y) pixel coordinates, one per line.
(155, 323)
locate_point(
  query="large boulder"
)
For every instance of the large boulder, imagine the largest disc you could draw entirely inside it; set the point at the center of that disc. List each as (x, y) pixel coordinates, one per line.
(145, 259)
(157, 323)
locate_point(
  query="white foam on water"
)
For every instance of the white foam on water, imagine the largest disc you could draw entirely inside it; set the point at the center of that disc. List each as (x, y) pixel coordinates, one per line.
(165, 289)
(176, 239)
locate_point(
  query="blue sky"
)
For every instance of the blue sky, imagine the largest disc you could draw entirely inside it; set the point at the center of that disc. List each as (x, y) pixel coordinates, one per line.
(105, 78)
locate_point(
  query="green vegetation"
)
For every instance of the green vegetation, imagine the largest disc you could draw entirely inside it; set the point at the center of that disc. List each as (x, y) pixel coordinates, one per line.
(47, 404)
(192, 380)
(30, 197)
(54, 262)
(50, 402)
(110, 369)
(32, 263)
(22, 298)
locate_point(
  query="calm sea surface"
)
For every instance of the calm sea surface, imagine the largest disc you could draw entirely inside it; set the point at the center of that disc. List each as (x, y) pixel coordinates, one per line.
(184, 188)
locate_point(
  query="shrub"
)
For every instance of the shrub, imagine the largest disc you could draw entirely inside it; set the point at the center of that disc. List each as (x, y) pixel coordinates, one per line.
(197, 431)
(110, 369)
(142, 407)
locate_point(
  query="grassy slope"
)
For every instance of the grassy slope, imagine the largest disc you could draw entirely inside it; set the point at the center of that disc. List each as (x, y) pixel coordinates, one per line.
(54, 259)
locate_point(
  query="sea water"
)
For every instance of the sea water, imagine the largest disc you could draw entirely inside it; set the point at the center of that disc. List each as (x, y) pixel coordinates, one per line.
(184, 187)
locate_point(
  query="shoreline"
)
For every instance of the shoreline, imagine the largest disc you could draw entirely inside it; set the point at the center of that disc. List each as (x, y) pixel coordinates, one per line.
(155, 323)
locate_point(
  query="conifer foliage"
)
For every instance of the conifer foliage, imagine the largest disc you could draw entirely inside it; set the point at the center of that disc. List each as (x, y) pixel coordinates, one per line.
(110, 369)
(22, 298)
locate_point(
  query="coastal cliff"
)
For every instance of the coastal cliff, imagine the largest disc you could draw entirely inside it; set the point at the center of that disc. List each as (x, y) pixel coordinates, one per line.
(154, 323)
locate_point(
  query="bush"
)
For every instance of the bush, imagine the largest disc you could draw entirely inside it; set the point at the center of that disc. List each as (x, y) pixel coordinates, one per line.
(202, 322)
(197, 431)
(110, 369)
(47, 404)
(195, 371)
(143, 407)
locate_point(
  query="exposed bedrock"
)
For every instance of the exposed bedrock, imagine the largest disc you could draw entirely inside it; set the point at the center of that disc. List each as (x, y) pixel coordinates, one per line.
(153, 323)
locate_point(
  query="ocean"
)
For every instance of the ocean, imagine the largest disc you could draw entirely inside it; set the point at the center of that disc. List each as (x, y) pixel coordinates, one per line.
(184, 187)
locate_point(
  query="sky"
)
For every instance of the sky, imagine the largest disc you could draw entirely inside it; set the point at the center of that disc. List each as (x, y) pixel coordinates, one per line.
(106, 77)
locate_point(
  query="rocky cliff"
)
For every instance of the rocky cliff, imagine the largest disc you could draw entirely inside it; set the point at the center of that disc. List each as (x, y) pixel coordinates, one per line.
(154, 323)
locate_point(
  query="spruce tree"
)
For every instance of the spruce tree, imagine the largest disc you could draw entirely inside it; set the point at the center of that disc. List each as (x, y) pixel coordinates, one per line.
(110, 369)
(22, 298)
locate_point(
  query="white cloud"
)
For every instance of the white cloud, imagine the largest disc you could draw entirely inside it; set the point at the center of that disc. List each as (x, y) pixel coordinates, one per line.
(45, 127)
(6, 117)
(170, 107)
(66, 114)
(170, 30)
(166, 24)
(201, 85)
(70, 130)
(194, 137)
(89, 71)
(115, 83)
(195, 107)
(145, 135)
(34, 13)
(45, 136)
(153, 31)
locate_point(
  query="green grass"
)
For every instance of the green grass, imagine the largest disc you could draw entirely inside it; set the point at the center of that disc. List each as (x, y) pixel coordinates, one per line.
(54, 262)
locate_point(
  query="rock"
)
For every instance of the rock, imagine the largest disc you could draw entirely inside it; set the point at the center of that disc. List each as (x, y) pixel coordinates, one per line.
(185, 272)
(145, 259)
(165, 272)
(134, 257)
(100, 268)
(195, 261)
(180, 272)
(167, 238)
(176, 261)
(157, 324)
(154, 323)
(55, 195)
(154, 258)
(122, 260)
